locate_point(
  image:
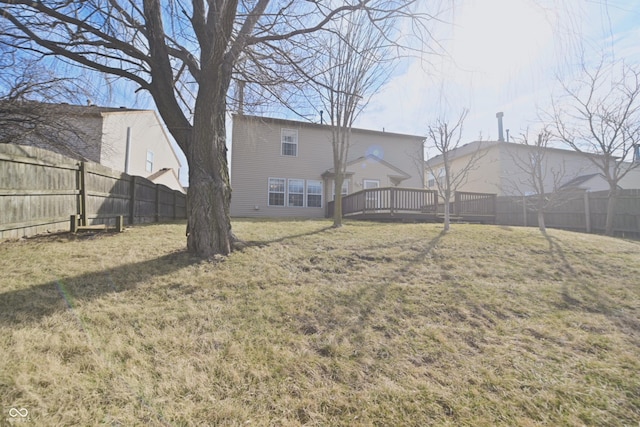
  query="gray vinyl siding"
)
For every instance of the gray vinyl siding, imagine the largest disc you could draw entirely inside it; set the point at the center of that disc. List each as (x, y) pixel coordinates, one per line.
(256, 157)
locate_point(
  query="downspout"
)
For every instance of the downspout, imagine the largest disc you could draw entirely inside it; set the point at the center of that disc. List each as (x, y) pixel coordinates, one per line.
(127, 154)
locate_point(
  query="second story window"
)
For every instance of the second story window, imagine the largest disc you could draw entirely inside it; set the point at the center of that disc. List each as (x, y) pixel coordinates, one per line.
(289, 142)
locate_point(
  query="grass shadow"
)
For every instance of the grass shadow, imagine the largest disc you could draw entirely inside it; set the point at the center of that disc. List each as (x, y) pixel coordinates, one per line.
(34, 303)
(587, 298)
(263, 243)
(366, 299)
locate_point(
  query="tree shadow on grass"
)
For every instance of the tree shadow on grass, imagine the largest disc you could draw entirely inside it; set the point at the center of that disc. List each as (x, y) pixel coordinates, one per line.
(585, 297)
(31, 304)
(366, 299)
(263, 243)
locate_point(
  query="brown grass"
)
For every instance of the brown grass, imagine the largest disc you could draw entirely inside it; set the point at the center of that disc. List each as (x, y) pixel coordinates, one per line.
(371, 324)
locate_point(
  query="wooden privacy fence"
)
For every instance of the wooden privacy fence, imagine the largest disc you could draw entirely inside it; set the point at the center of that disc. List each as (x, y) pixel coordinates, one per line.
(578, 211)
(41, 190)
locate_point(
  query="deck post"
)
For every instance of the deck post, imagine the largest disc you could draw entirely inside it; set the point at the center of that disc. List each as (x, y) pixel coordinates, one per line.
(392, 199)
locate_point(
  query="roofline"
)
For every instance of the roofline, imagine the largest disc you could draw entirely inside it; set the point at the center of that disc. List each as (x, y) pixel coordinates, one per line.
(323, 126)
(484, 145)
(404, 175)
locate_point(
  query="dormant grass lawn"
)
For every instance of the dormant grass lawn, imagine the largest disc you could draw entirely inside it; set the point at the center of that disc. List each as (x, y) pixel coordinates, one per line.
(368, 325)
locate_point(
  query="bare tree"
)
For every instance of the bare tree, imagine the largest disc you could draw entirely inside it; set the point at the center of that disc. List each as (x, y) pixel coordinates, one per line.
(600, 114)
(538, 181)
(185, 55)
(355, 61)
(27, 87)
(445, 139)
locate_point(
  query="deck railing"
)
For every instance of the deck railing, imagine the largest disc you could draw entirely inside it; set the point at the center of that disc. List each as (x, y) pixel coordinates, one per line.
(466, 203)
(390, 201)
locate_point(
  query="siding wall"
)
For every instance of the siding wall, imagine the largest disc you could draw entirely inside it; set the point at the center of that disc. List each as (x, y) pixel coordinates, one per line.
(256, 157)
(147, 133)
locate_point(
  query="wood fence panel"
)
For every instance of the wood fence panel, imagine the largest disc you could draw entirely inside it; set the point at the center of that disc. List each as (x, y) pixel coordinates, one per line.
(40, 190)
(37, 191)
(145, 201)
(579, 211)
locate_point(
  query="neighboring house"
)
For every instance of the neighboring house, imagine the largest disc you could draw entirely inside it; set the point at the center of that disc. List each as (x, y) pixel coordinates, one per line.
(285, 168)
(128, 140)
(497, 171)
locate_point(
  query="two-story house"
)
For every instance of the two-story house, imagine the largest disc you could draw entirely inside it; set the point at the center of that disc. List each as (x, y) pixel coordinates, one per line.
(127, 140)
(284, 168)
(501, 167)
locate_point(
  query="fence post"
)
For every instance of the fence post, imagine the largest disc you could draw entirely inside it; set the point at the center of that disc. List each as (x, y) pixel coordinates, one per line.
(83, 194)
(524, 210)
(587, 212)
(175, 204)
(132, 201)
(74, 223)
(157, 202)
(119, 223)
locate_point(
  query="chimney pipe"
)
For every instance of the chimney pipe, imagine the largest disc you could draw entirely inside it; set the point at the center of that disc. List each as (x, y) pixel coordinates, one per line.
(500, 130)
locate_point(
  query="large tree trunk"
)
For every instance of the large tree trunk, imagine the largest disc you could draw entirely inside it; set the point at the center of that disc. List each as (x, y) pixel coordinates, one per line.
(209, 198)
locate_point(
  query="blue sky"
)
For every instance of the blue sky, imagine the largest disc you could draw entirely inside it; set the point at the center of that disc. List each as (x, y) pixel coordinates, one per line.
(504, 55)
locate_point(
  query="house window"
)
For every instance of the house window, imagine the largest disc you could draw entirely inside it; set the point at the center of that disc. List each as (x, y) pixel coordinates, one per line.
(289, 142)
(149, 163)
(314, 194)
(296, 192)
(431, 181)
(276, 191)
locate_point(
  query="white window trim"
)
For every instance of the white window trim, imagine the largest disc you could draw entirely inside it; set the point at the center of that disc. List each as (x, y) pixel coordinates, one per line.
(306, 197)
(282, 141)
(289, 193)
(269, 192)
(305, 192)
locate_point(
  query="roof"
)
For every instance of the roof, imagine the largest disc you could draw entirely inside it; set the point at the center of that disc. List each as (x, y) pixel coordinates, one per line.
(319, 126)
(483, 145)
(164, 171)
(579, 180)
(400, 173)
(76, 109)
